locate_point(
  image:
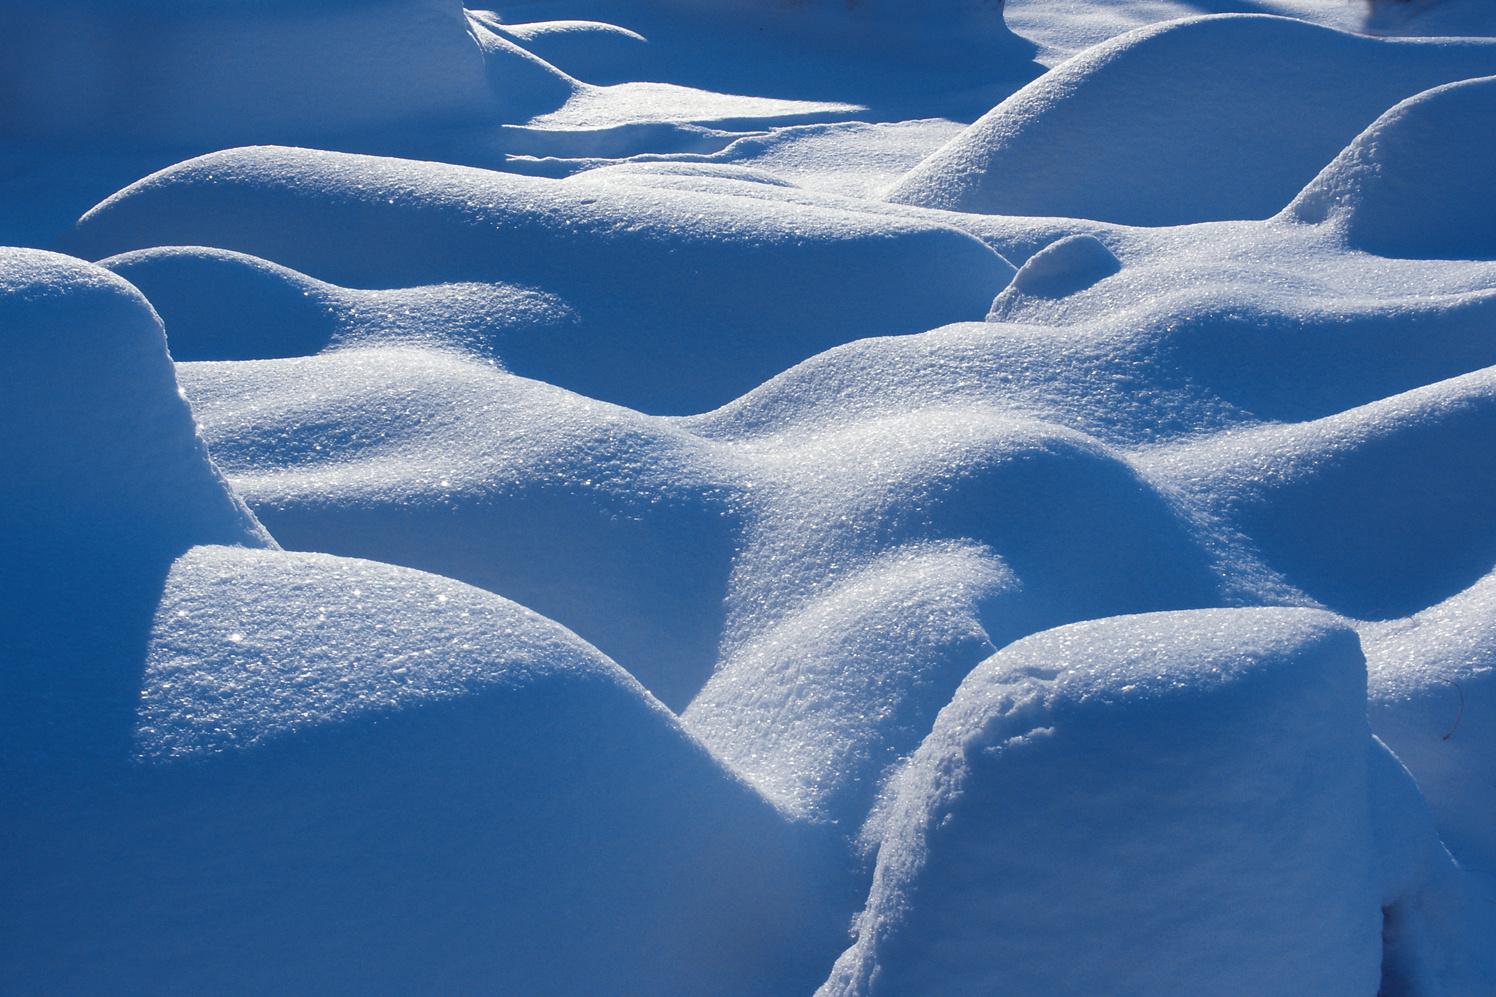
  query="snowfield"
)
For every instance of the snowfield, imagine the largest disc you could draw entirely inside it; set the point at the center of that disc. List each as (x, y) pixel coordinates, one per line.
(659, 497)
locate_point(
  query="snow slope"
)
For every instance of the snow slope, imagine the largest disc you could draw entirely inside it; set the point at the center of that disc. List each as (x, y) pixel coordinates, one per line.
(328, 772)
(1123, 733)
(1230, 115)
(737, 473)
(661, 283)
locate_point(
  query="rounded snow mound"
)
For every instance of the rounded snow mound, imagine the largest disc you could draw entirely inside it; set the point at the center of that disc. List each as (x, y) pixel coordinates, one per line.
(105, 481)
(1162, 804)
(219, 305)
(1417, 183)
(686, 300)
(1071, 264)
(101, 448)
(1230, 115)
(347, 771)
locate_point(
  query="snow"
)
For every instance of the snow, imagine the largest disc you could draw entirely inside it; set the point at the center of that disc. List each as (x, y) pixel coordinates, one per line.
(1409, 186)
(1121, 734)
(1213, 761)
(662, 282)
(367, 779)
(181, 73)
(1231, 115)
(606, 496)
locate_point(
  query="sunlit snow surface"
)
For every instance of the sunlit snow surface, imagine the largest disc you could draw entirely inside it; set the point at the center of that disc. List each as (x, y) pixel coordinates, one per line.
(748, 499)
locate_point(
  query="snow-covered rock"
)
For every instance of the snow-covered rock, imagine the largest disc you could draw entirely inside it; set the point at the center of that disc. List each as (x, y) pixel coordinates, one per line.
(1165, 803)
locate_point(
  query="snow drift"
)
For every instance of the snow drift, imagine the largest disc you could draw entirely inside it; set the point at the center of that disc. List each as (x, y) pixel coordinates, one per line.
(1175, 745)
(683, 301)
(445, 751)
(105, 482)
(1184, 121)
(680, 548)
(1413, 184)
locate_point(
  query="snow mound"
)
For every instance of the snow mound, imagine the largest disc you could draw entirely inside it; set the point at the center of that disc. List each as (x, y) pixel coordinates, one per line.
(1060, 269)
(1230, 115)
(1432, 679)
(619, 526)
(1257, 320)
(789, 705)
(220, 305)
(201, 75)
(686, 300)
(103, 449)
(1416, 183)
(394, 783)
(1172, 803)
(105, 481)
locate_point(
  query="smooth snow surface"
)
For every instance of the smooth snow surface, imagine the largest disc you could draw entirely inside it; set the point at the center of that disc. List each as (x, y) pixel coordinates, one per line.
(1414, 183)
(681, 301)
(1186, 121)
(1124, 734)
(637, 498)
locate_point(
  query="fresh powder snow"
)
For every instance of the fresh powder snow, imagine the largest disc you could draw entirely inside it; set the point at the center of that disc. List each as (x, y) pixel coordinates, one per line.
(748, 498)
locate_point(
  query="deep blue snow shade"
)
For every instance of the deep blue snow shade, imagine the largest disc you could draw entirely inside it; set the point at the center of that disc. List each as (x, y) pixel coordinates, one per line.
(748, 499)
